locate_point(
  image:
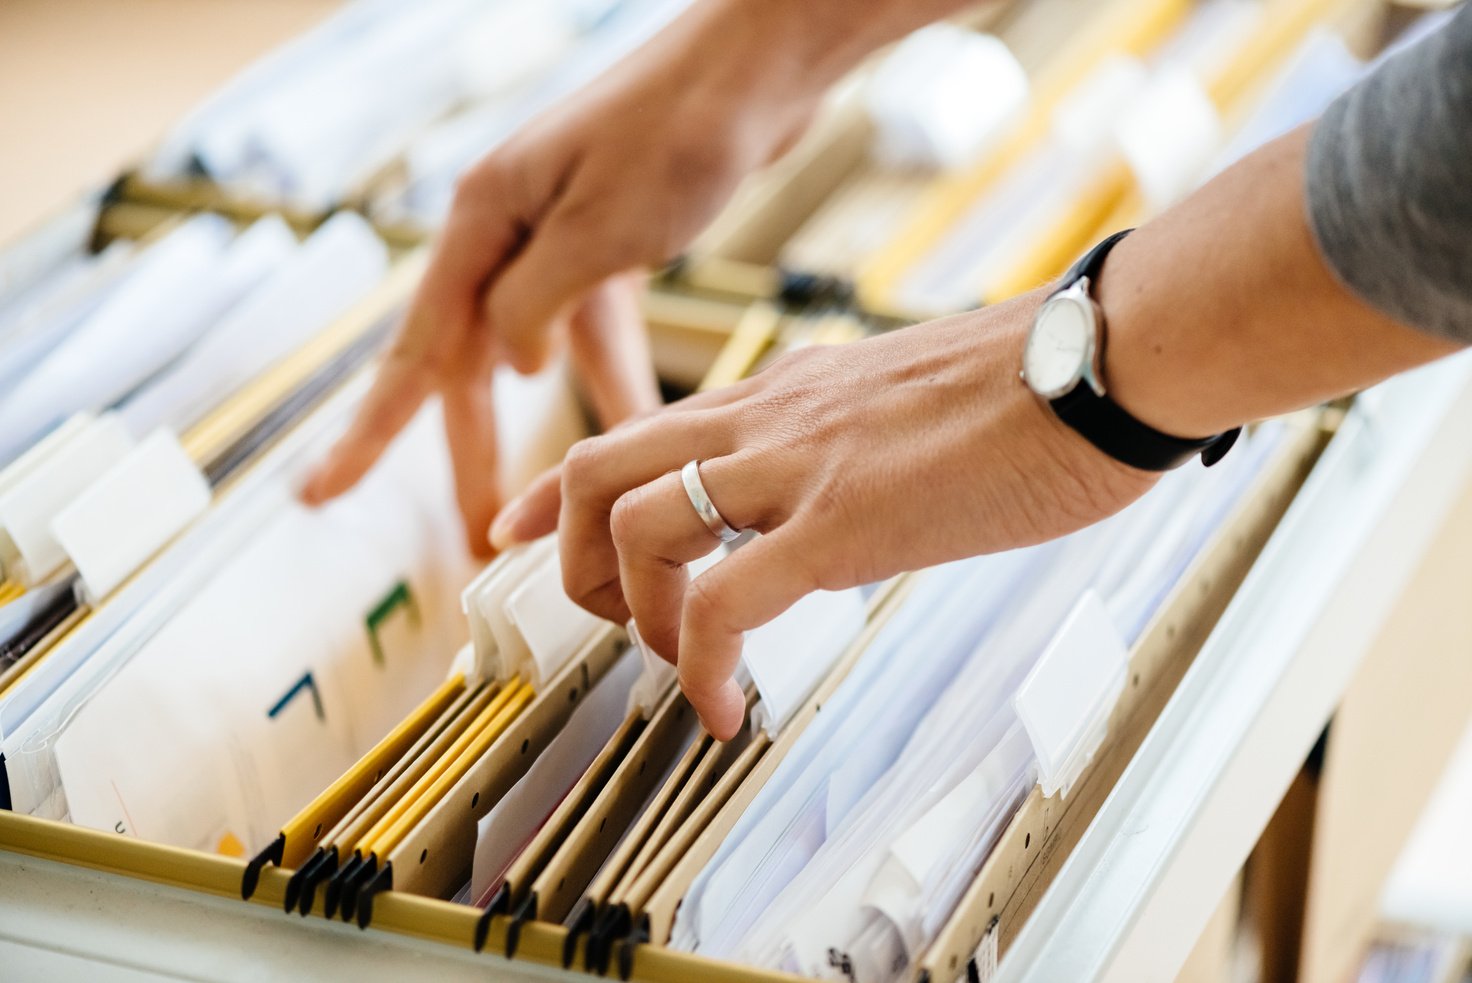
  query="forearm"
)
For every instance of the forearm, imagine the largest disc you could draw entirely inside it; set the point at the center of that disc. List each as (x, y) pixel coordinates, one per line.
(1222, 310)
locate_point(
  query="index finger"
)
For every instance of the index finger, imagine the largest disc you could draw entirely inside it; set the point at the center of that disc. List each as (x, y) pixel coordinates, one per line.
(438, 336)
(397, 393)
(744, 591)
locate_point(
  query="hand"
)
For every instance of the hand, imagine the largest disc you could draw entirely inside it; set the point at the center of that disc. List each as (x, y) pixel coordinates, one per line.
(855, 463)
(540, 241)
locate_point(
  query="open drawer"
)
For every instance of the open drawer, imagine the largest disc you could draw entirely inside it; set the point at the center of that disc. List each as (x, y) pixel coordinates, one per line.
(1368, 506)
(1117, 879)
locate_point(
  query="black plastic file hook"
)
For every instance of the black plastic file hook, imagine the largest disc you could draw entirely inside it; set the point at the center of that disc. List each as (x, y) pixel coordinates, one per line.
(252, 876)
(613, 924)
(332, 897)
(578, 921)
(383, 881)
(305, 881)
(498, 905)
(353, 885)
(637, 937)
(525, 913)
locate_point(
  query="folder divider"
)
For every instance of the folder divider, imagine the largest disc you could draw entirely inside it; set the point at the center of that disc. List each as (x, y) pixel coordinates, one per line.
(692, 847)
(718, 759)
(1040, 836)
(587, 916)
(643, 841)
(133, 221)
(350, 839)
(612, 814)
(382, 867)
(515, 894)
(434, 857)
(772, 204)
(303, 832)
(720, 763)
(486, 725)
(203, 195)
(754, 335)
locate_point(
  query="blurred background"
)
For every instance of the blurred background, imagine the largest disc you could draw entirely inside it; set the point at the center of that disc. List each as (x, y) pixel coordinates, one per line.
(92, 84)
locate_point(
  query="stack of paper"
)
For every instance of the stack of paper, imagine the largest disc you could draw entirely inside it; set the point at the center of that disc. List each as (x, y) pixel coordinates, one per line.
(313, 123)
(864, 837)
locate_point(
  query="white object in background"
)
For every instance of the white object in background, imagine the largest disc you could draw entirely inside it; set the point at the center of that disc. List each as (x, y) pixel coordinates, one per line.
(215, 134)
(344, 117)
(131, 512)
(1431, 883)
(25, 465)
(538, 417)
(551, 627)
(1320, 70)
(941, 96)
(510, 44)
(1169, 136)
(790, 655)
(335, 267)
(34, 324)
(1065, 701)
(70, 461)
(146, 322)
(513, 821)
(1083, 120)
(482, 656)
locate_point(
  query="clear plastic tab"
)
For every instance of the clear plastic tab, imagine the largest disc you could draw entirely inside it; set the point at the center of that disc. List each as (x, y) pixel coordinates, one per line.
(1066, 699)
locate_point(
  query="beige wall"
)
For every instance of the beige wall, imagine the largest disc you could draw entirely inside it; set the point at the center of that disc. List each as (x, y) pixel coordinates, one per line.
(87, 86)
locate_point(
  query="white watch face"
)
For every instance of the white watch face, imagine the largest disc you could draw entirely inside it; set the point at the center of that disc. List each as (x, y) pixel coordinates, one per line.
(1060, 346)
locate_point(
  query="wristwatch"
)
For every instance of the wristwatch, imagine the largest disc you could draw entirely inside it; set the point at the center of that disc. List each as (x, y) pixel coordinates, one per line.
(1063, 362)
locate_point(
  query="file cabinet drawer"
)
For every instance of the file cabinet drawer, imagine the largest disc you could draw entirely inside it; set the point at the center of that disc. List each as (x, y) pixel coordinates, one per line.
(1373, 501)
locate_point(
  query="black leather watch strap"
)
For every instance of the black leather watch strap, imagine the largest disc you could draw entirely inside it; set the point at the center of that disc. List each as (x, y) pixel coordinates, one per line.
(1106, 424)
(1110, 428)
(1091, 262)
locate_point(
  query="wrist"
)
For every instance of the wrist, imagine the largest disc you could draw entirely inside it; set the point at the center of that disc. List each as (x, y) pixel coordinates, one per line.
(1162, 384)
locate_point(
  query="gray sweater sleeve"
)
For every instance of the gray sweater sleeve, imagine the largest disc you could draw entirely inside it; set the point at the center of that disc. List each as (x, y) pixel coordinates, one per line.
(1390, 183)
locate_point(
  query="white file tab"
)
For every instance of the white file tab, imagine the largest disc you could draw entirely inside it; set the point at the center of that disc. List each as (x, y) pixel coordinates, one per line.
(131, 512)
(1066, 699)
(790, 655)
(60, 471)
(655, 678)
(552, 628)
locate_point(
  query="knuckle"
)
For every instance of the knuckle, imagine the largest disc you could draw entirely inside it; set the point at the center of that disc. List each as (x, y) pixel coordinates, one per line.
(584, 461)
(703, 602)
(625, 520)
(486, 178)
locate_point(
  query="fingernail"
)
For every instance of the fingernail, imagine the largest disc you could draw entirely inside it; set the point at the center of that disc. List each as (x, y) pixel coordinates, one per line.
(310, 492)
(501, 528)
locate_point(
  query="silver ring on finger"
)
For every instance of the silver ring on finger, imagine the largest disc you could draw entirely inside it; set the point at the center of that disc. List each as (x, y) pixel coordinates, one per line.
(704, 507)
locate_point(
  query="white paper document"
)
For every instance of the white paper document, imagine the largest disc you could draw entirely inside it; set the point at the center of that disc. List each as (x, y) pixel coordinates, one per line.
(513, 821)
(313, 640)
(335, 267)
